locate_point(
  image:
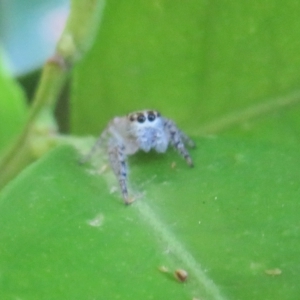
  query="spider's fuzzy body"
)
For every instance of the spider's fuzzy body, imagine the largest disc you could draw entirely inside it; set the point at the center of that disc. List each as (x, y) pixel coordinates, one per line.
(141, 130)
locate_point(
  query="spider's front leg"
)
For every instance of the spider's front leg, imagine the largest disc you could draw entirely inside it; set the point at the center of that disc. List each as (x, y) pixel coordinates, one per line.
(118, 163)
(178, 138)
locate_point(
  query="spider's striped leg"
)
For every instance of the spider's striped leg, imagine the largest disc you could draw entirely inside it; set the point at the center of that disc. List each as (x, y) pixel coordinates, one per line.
(118, 163)
(177, 140)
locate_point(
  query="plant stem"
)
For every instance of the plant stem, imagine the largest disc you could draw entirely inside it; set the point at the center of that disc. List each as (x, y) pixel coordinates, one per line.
(38, 135)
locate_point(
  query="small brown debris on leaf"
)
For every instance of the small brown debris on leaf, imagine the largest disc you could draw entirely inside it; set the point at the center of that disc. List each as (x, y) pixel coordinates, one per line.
(273, 272)
(181, 275)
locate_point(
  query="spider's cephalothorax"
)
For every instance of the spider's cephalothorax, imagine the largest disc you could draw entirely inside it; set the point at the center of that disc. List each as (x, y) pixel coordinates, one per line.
(141, 130)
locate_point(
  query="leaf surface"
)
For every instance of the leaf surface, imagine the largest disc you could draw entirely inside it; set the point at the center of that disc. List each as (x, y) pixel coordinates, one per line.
(226, 222)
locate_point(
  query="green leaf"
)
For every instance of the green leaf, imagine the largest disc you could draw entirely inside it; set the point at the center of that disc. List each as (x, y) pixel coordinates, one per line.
(12, 108)
(213, 67)
(227, 222)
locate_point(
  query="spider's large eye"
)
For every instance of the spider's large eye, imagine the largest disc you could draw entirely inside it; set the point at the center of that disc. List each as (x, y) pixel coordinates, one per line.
(141, 118)
(151, 116)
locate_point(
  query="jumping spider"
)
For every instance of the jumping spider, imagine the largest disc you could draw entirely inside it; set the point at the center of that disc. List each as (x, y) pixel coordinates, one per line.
(141, 130)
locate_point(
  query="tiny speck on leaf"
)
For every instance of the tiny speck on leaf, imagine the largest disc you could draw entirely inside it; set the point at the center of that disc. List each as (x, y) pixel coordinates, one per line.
(273, 272)
(163, 269)
(173, 165)
(97, 221)
(181, 275)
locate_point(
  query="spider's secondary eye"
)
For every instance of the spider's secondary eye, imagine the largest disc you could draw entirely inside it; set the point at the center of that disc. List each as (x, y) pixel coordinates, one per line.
(151, 116)
(141, 118)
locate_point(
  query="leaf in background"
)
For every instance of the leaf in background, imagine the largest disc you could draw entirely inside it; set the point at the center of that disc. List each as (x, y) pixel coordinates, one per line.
(13, 108)
(198, 62)
(226, 222)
